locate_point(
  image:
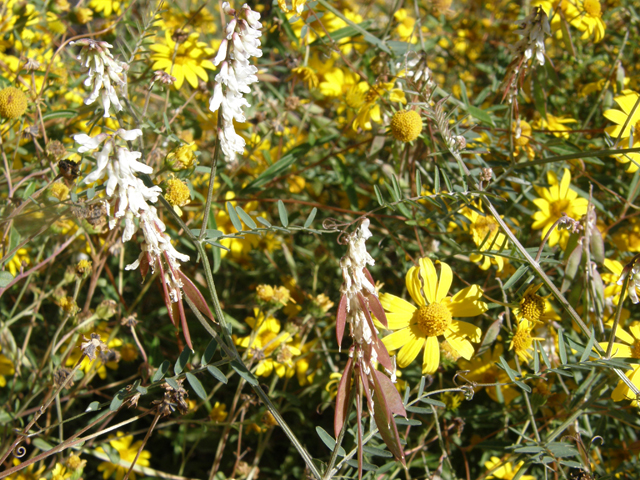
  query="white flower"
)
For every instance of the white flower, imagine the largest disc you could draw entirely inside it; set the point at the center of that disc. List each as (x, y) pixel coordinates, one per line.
(103, 72)
(236, 75)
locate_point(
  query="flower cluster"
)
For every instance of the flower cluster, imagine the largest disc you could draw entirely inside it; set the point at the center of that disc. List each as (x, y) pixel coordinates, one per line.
(120, 166)
(103, 72)
(236, 74)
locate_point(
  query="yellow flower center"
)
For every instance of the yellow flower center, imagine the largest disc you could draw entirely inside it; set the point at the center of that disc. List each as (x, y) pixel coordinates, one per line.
(433, 319)
(635, 349)
(354, 98)
(406, 125)
(559, 207)
(532, 307)
(592, 7)
(13, 102)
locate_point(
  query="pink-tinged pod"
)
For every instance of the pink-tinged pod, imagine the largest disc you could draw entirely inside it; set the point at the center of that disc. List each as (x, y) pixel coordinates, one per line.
(341, 319)
(342, 398)
(193, 293)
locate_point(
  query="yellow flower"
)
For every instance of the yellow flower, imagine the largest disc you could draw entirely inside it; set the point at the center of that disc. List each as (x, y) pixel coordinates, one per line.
(13, 102)
(59, 473)
(192, 57)
(418, 328)
(107, 7)
(19, 259)
(627, 102)
(486, 232)
(555, 124)
(370, 109)
(177, 192)
(127, 451)
(60, 191)
(556, 200)
(266, 344)
(219, 412)
(629, 349)
(306, 75)
(406, 26)
(505, 470)
(296, 5)
(6, 368)
(296, 183)
(181, 158)
(533, 307)
(586, 16)
(483, 370)
(522, 142)
(406, 125)
(522, 341)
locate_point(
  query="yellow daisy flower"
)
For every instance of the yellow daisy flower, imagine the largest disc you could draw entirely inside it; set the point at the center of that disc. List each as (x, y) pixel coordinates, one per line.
(191, 59)
(629, 349)
(556, 200)
(419, 327)
(127, 453)
(626, 101)
(505, 470)
(555, 124)
(483, 227)
(6, 368)
(586, 16)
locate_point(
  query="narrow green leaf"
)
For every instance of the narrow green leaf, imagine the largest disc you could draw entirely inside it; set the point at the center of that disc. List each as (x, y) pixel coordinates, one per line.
(118, 399)
(233, 216)
(310, 218)
(379, 196)
(244, 373)
(436, 183)
(435, 403)
(516, 276)
(329, 441)
(407, 421)
(217, 374)
(182, 361)
(263, 221)
(282, 212)
(377, 452)
(196, 385)
(246, 218)
(562, 348)
(210, 351)
(5, 278)
(589, 347)
(162, 370)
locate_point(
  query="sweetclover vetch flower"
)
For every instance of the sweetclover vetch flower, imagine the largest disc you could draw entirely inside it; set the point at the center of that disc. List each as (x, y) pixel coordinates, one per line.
(360, 299)
(134, 200)
(104, 72)
(236, 74)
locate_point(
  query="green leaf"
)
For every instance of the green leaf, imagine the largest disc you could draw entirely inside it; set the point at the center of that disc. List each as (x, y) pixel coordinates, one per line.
(5, 278)
(329, 441)
(407, 421)
(377, 452)
(93, 407)
(435, 403)
(282, 212)
(280, 166)
(210, 351)
(310, 218)
(233, 216)
(246, 218)
(480, 115)
(244, 373)
(172, 383)
(589, 347)
(379, 196)
(118, 399)
(263, 221)
(196, 385)
(41, 444)
(562, 348)
(217, 374)
(182, 361)
(516, 276)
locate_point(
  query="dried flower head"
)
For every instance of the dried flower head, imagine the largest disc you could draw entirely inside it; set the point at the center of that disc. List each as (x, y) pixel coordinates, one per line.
(92, 345)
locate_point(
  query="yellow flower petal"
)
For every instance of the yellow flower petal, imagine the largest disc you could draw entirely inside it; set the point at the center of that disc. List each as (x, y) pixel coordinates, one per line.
(431, 356)
(429, 279)
(444, 284)
(413, 285)
(466, 303)
(411, 349)
(394, 304)
(398, 339)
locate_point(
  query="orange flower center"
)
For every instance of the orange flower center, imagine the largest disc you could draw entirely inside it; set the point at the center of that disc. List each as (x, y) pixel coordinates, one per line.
(592, 7)
(559, 207)
(635, 349)
(433, 319)
(532, 307)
